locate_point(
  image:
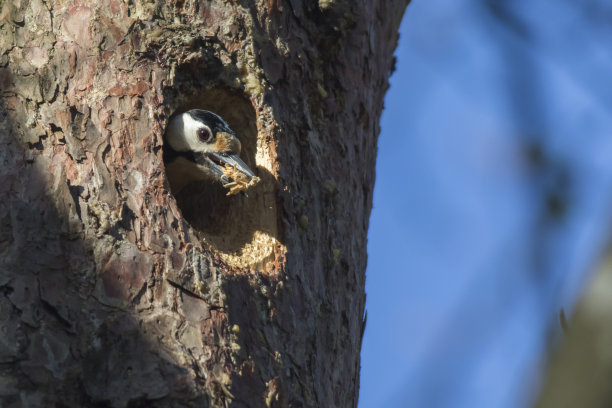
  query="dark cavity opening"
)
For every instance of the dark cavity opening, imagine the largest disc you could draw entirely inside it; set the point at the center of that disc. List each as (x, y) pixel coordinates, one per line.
(242, 228)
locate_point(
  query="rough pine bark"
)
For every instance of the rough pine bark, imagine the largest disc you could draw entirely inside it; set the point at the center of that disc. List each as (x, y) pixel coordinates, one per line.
(113, 292)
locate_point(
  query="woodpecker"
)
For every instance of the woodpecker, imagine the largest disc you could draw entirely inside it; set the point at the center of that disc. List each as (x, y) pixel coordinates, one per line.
(200, 145)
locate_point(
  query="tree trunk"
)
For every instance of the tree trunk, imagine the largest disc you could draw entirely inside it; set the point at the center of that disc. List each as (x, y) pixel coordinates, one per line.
(113, 292)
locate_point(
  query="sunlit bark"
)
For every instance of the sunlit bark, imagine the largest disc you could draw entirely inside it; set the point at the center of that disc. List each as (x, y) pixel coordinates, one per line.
(115, 293)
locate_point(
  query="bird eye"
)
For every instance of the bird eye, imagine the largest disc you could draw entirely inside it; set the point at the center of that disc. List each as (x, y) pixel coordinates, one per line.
(204, 134)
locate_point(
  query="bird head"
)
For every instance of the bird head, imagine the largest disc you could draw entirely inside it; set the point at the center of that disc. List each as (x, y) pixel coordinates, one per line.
(199, 146)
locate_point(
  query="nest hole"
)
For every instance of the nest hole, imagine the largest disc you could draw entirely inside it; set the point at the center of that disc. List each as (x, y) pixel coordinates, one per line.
(241, 228)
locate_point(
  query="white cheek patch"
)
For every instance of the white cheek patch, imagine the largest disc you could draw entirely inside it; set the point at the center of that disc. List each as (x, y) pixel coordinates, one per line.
(183, 134)
(192, 140)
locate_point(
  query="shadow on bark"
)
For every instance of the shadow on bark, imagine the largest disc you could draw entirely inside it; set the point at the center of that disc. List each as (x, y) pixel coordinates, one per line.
(61, 343)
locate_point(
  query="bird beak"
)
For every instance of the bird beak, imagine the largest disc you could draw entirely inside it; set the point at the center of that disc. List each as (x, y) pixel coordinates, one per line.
(234, 161)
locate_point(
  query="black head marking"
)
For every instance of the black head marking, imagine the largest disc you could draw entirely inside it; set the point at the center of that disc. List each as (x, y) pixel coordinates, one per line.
(171, 155)
(212, 120)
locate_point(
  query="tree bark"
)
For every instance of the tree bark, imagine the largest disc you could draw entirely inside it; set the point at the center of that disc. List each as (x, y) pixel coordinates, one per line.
(113, 292)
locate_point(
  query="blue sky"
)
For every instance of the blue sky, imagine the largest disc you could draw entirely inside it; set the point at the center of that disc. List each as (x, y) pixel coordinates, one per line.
(474, 243)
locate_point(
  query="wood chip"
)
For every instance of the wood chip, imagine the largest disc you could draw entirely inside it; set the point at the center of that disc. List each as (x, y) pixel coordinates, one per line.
(240, 181)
